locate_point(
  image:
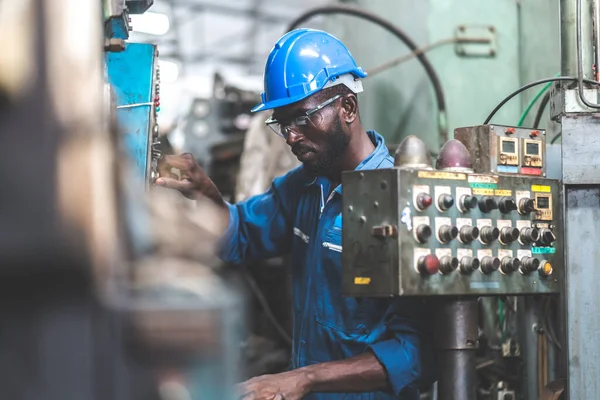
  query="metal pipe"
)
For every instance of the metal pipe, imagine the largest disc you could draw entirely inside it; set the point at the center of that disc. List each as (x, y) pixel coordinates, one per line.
(596, 20)
(584, 46)
(568, 38)
(456, 340)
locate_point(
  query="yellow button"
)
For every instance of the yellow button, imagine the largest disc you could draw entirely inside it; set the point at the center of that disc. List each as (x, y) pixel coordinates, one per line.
(546, 269)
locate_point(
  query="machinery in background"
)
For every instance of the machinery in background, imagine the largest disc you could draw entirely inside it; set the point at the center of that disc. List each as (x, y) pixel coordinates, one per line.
(460, 231)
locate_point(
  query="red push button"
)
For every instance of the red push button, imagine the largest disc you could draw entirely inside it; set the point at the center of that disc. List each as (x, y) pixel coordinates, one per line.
(424, 200)
(428, 265)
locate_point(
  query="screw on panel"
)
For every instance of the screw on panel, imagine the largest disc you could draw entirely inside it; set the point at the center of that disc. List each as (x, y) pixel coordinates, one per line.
(363, 219)
(384, 185)
(350, 208)
(376, 204)
(492, 52)
(361, 175)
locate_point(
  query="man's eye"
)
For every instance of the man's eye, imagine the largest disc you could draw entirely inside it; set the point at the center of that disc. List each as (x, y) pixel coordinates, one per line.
(302, 120)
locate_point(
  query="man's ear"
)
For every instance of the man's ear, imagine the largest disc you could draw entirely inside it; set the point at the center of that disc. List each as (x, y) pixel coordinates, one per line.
(349, 108)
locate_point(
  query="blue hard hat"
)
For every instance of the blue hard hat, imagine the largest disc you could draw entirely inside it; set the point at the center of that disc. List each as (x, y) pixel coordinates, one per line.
(301, 63)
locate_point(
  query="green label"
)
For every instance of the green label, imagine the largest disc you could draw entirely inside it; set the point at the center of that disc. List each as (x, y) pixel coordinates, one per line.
(543, 250)
(479, 185)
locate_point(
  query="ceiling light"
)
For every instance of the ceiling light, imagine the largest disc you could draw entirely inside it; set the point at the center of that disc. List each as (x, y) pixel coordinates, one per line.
(152, 23)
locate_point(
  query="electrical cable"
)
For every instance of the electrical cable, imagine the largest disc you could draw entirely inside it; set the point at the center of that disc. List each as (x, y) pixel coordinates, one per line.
(580, 62)
(267, 309)
(540, 110)
(530, 85)
(555, 138)
(399, 60)
(358, 12)
(533, 101)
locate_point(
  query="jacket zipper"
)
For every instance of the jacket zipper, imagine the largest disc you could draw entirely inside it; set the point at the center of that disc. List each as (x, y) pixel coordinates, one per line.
(332, 246)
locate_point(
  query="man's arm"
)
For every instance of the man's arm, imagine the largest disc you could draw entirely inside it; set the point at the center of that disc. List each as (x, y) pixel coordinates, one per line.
(363, 373)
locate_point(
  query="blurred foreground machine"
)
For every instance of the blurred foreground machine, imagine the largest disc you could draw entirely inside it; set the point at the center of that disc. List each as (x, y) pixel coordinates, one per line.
(102, 295)
(457, 232)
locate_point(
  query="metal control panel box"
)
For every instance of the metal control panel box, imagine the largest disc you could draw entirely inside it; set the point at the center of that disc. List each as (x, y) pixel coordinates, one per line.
(505, 149)
(413, 232)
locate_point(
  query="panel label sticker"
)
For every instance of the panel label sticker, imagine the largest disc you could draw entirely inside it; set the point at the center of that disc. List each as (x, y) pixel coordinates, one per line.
(420, 221)
(483, 192)
(483, 222)
(504, 222)
(460, 253)
(420, 252)
(443, 252)
(505, 253)
(484, 253)
(442, 175)
(503, 192)
(462, 191)
(460, 222)
(540, 188)
(522, 194)
(477, 178)
(361, 280)
(543, 250)
(523, 253)
(523, 223)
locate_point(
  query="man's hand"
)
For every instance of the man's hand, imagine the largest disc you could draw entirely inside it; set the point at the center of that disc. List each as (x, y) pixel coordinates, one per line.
(292, 385)
(193, 182)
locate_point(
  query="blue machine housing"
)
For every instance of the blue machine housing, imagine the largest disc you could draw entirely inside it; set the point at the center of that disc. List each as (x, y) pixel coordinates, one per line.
(133, 74)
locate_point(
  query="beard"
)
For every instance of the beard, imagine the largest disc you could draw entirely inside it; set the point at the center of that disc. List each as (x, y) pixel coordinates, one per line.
(336, 143)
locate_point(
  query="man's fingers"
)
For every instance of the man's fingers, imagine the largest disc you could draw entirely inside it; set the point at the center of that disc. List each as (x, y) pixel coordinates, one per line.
(184, 162)
(182, 186)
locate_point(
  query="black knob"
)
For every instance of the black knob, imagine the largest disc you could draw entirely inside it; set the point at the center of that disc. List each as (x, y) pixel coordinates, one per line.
(529, 235)
(468, 233)
(468, 265)
(489, 264)
(529, 264)
(526, 206)
(487, 204)
(423, 233)
(506, 205)
(508, 234)
(448, 264)
(547, 237)
(445, 201)
(509, 264)
(467, 202)
(447, 233)
(488, 234)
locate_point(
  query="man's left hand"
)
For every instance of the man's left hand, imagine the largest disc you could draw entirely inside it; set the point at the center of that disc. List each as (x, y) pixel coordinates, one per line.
(292, 385)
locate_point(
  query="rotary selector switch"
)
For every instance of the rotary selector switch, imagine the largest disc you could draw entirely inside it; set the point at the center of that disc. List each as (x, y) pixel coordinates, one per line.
(448, 264)
(446, 233)
(506, 205)
(547, 237)
(489, 264)
(529, 235)
(468, 265)
(509, 265)
(526, 206)
(488, 234)
(467, 203)
(487, 204)
(468, 233)
(529, 264)
(423, 233)
(508, 234)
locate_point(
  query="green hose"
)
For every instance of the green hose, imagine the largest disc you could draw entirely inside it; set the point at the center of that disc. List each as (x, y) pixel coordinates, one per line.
(533, 101)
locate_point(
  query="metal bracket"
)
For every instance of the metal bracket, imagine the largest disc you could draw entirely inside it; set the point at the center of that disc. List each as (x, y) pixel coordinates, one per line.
(563, 101)
(486, 47)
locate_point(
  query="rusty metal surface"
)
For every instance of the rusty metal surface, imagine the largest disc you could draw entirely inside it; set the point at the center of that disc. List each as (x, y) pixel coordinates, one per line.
(385, 197)
(580, 146)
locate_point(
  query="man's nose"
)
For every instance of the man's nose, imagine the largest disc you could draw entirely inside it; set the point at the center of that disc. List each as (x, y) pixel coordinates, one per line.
(293, 137)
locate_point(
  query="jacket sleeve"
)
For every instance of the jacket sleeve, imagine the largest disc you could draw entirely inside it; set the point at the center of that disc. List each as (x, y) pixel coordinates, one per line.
(260, 227)
(408, 348)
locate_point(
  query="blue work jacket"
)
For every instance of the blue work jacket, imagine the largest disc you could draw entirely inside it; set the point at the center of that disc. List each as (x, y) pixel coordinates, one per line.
(298, 215)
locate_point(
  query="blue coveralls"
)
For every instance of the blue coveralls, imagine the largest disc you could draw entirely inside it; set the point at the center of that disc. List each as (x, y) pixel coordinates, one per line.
(296, 215)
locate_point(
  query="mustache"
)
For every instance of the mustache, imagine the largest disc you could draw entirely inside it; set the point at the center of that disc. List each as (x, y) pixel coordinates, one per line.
(299, 149)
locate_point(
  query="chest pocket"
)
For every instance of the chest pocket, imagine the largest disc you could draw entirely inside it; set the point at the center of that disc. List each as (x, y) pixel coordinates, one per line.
(336, 311)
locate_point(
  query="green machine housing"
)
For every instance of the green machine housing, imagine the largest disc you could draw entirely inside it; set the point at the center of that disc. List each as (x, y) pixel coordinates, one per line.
(411, 232)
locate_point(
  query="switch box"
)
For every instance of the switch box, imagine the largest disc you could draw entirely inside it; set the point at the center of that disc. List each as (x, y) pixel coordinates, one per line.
(410, 232)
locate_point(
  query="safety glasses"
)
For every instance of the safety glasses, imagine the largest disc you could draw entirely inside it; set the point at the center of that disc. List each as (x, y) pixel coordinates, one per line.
(284, 127)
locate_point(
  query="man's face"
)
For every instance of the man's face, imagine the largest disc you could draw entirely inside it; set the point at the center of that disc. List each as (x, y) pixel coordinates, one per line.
(321, 142)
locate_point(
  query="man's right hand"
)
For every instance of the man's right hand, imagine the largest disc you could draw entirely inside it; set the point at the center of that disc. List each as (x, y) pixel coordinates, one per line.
(193, 182)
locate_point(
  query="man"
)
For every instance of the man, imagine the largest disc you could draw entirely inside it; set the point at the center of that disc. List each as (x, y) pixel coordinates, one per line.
(342, 345)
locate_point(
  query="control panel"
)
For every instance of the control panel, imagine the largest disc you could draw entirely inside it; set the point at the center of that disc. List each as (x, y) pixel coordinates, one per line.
(505, 149)
(429, 232)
